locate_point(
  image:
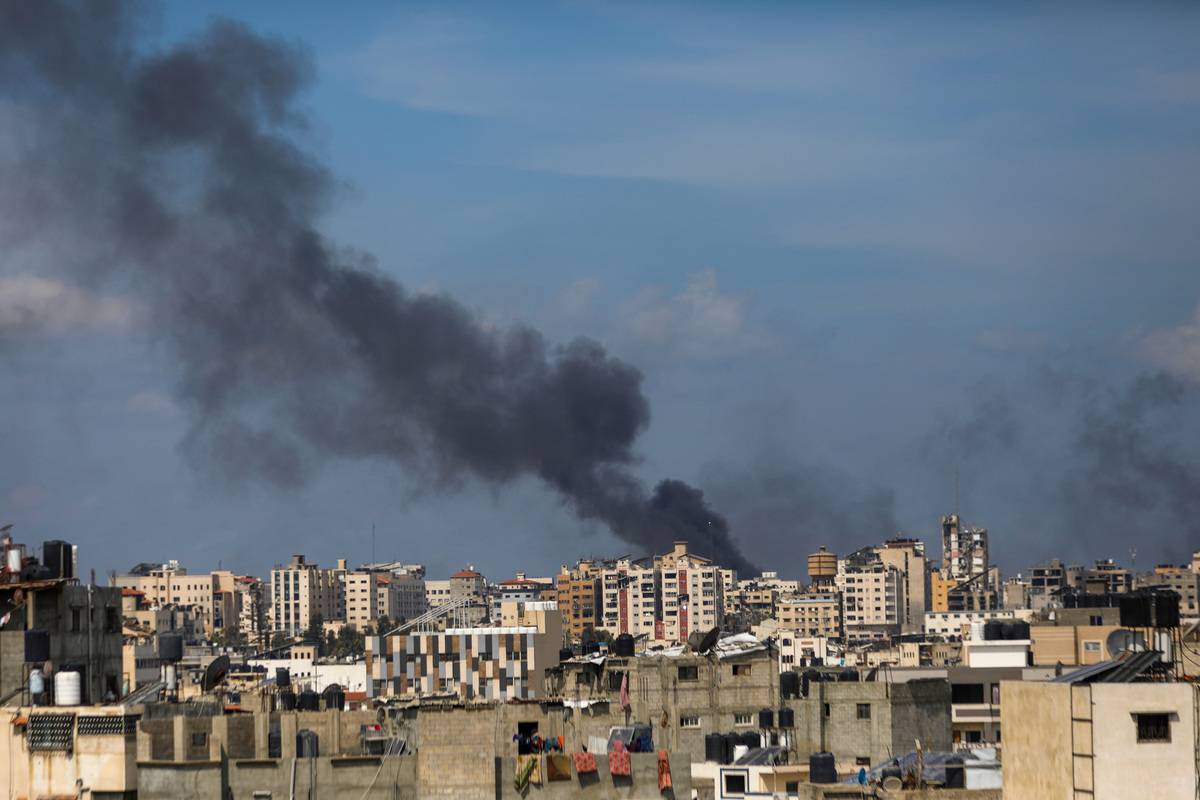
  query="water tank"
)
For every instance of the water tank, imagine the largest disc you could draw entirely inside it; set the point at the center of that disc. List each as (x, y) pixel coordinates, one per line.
(1007, 630)
(283, 677)
(14, 558)
(308, 701)
(37, 682)
(956, 776)
(335, 698)
(821, 768)
(732, 741)
(848, 675)
(287, 700)
(766, 718)
(751, 739)
(977, 630)
(68, 688)
(170, 676)
(170, 646)
(1020, 630)
(1165, 606)
(37, 647)
(623, 646)
(307, 744)
(59, 558)
(993, 630)
(1136, 611)
(714, 748)
(892, 771)
(789, 684)
(787, 718)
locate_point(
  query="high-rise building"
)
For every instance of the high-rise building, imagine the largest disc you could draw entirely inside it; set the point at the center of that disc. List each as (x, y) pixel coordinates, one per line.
(578, 592)
(302, 591)
(170, 584)
(871, 595)
(964, 550)
(812, 614)
(907, 556)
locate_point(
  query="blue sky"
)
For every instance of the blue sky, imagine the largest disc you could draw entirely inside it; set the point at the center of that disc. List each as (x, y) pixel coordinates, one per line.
(835, 240)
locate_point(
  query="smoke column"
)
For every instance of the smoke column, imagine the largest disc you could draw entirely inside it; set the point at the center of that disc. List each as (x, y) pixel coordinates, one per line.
(176, 175)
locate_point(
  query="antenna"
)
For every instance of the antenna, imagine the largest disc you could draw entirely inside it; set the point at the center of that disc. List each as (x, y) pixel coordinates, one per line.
(956, 512)
(373, 543)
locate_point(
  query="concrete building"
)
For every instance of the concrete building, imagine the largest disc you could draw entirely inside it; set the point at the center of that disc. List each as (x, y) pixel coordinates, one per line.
(954, 625)
(302, 591)
(939, 590)
(578, 594)
(1098, 735)
(170, 584)
(964, 550)
(1181, 580)
(437, 593)
(521, 589)
(813, 614)
(871, 596)
(489, 663)
(907, 556)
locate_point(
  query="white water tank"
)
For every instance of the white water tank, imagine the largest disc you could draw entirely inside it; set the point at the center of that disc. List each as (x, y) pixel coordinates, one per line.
(976, 630)
(37, 682)
(67, 689)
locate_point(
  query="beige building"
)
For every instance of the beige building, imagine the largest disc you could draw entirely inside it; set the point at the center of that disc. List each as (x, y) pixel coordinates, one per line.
(578, 593)
(1180, 580)
(678, 594)
(939, 590)
(907, 556)
(1100, 740)
(170, 584)
(871, 596)
(812, 615)
(302, 591)
(401, 596)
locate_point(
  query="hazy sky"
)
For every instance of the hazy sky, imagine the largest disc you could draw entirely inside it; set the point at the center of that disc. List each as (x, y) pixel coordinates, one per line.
(853, 251)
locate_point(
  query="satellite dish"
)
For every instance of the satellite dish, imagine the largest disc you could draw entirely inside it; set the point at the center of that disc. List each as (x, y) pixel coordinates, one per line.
(216, 671)
(709, 641)
(1125, 641)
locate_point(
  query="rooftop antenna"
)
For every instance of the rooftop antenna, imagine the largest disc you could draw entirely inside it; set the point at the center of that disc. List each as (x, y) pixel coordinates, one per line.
(956, 489)
(373, 543)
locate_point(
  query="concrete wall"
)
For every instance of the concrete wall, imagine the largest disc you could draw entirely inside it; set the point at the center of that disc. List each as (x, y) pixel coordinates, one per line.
(1036, 720)
(103, 763)
(1125, 767)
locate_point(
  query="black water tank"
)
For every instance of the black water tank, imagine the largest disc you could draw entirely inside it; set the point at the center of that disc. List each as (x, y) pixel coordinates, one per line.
(283, 677)
(766, 718)
(1136, 611)
(308, 745)
(1166, 609)
(565, 654)
(335, 699)
(37, 646)
(848, 675)
(287, 700)
(170, 646)
(58, 557)
(956, 775)
(787, 718)
(732, 740)
(623, 646)
(308, 701)
(804, 684)
(751, 739)
(789, 684)
(821, 768)
(993, 630)
(1020, 630)
(714, 748)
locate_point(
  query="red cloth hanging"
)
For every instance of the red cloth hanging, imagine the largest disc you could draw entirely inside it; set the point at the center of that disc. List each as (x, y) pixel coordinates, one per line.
(584, 762)
(618, 760)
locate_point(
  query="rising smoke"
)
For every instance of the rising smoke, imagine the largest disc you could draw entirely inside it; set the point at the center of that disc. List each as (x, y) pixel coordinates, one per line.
(176, 175)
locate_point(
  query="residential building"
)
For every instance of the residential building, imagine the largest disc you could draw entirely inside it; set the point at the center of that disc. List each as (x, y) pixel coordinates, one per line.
(964, 550)
(497, 663)
(170, 584)
(955, 625)
(578, 594)
(362, 599)
(302, 592)
(666, 598)
(401, 595)
(939, 590)
(1106, 732)
(816, 614)
(871, 596)
(437, 593)
(521, 589)
(1181, 580)
(907, 556)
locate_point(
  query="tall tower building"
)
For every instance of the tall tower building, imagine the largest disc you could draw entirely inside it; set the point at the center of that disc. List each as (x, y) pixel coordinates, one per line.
(964, 550)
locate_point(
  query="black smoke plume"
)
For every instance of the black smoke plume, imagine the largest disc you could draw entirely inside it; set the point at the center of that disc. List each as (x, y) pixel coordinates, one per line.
(176, 174)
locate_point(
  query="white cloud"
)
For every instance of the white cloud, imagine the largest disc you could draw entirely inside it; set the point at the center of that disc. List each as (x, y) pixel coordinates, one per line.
(1176, 349)
(29, 303)
(700, 320)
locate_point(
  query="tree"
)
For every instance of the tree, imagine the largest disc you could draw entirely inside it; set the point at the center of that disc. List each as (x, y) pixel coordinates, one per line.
(280, 639)
(315, 633)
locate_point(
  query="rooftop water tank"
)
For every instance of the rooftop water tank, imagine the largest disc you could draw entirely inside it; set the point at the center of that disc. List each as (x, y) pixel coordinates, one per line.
(68, 688)
(821, 768)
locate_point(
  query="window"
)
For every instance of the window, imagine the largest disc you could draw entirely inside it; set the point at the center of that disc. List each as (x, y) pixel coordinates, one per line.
(863, 761)
(689, 673)
(743, 720)
(863, 711)
(1153, 727)
(1091, 647)
(825, 710)
(1095, 619)
(735, 783)
(687, 721)
(966, 693)
(199, 740)
(741, 670)
(995, 694)
(75, 618)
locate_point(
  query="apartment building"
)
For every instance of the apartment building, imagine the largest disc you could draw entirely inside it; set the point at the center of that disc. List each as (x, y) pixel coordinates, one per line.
(401, 595)
(964, 549)
(907, 556)
(302, 591)
(362, 599)
(816, 614)
(871, 595)
(1180, 580)
(170, 584)
(632, 600)
(578, 594)
(666, 598)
